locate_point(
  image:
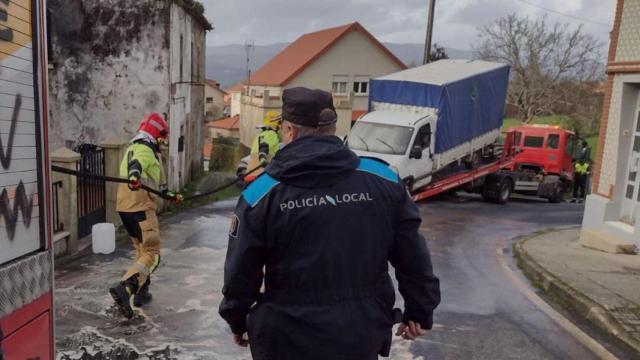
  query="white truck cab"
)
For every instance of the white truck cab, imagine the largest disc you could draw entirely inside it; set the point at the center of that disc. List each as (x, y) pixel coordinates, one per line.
(404, 140)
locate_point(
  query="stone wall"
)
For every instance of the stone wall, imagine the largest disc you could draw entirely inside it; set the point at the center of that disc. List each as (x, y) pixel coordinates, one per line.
(109, 67)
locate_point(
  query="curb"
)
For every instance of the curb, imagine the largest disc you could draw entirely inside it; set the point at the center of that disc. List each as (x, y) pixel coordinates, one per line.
(593, 312)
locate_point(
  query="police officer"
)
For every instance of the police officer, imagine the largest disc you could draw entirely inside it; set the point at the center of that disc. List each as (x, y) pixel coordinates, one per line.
(137, 209)
(581, 177)
(320, 227)
(267, 142)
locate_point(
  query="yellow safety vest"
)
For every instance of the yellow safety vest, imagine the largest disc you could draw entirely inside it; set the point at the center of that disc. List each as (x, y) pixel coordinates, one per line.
(582, 168)
(269, 137)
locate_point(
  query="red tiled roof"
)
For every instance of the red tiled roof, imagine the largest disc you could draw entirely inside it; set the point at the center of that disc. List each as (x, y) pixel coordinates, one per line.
(214, 84)
(303, 52)
(355, 114)
(237, 87)
(230, 123)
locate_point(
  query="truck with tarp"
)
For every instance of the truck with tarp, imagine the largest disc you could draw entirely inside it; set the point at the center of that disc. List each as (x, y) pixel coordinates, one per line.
(436, 121)
(26, 259)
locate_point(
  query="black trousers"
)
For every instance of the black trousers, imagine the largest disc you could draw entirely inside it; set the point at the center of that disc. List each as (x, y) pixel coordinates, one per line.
(580, 186)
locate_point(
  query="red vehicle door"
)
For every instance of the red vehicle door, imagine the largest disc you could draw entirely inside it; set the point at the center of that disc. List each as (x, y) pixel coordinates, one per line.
(26, 261)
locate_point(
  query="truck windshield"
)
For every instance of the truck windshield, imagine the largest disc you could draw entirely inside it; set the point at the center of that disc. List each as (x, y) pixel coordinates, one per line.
(380, 138)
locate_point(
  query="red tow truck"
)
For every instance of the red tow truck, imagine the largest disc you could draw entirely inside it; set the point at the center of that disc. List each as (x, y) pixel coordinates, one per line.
(544, 164)
(26, 256)
(535, 160)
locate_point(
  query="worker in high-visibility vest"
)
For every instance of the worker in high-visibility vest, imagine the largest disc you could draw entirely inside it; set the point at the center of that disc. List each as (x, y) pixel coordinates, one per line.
(580, 178)
(141, 164)
(267, 143)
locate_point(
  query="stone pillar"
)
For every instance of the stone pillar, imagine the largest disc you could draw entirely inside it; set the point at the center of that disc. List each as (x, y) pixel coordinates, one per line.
(114, 149)
(68, 194)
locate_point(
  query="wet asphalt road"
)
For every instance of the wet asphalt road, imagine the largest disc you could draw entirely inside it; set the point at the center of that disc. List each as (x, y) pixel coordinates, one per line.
(483, 315)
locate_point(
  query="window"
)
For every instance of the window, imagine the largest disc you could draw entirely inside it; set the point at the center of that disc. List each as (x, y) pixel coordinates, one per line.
(339, 84)
(361, 87)
(571, 146)
(518, 138)
(339, 87)
(533, 141)
(209, 100)
(553, 142)
(380, 138)
(424, 137)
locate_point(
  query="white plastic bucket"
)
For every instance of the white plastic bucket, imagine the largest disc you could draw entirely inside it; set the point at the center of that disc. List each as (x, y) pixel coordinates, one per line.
(103, 238)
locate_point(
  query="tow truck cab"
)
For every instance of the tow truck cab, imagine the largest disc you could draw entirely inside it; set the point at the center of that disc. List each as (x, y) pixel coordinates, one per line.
(544, 163)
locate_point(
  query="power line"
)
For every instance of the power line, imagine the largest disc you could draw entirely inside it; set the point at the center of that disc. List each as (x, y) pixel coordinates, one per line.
(563, 14)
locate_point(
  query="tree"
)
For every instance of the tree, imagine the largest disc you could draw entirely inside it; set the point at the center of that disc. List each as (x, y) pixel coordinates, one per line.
(543, 57)
(438, 53)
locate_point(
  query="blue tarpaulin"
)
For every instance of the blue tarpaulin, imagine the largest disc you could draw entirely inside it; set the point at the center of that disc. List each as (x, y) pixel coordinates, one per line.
(469, 96)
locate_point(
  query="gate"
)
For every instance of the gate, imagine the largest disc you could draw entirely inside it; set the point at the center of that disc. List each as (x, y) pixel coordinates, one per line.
(91, 193)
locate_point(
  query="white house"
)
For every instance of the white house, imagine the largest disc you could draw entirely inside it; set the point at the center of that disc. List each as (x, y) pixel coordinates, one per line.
(340, 60)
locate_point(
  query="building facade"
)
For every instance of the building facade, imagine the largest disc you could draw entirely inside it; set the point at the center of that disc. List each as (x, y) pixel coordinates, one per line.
(340, 60)
(214, 100)
(112, 63)
(612, 215)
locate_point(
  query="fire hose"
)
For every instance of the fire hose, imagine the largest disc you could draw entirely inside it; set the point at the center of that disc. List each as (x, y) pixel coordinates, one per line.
(161, 194)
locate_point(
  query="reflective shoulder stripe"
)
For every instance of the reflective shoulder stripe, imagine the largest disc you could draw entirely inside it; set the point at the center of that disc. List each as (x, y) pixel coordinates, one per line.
(377, 168)
(259, 189)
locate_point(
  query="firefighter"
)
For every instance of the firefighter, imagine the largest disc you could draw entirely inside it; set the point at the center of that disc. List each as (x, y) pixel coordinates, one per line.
(319, 228)
(141, 164)
(581, 177)
(267, 142)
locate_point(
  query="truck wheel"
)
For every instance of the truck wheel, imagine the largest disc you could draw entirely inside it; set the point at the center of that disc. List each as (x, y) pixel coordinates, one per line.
(408, 184)
(558, 193)
(504, 193)
(474, 162)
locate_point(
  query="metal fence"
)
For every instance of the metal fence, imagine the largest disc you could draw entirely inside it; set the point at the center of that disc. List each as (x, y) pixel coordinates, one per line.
(91, 193)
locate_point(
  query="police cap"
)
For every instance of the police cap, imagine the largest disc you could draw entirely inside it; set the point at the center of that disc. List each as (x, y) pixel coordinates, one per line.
(307, 107)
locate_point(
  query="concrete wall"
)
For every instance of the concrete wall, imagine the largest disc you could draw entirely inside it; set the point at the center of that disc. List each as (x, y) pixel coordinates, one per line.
(214, 110)
(110, 67)
(236, 97)
(186, 119)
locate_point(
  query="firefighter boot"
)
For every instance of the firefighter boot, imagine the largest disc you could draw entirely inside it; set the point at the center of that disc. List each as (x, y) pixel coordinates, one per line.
(143, 296)
(122, 293)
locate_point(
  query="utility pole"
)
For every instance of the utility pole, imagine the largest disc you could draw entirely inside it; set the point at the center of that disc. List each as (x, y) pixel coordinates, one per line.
(427, 44)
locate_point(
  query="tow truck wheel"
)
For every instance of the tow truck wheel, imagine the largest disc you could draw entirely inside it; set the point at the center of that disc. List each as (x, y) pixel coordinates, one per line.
(504, 194)
(558, 193)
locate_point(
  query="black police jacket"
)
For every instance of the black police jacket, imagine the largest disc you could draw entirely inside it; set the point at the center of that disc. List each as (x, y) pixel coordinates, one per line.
(320, 228)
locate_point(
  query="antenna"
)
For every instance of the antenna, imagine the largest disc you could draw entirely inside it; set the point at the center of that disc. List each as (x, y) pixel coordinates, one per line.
(249, 48)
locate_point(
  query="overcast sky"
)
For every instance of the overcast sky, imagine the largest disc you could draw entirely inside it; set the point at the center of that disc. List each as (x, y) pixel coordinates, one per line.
(401, 21)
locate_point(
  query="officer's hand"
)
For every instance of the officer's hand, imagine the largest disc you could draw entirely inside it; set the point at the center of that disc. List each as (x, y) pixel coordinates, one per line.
(410, 331)
(240, 340)
(135, 183)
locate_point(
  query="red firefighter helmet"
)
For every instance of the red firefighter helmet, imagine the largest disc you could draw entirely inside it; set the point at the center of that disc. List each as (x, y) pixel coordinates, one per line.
(155, 125)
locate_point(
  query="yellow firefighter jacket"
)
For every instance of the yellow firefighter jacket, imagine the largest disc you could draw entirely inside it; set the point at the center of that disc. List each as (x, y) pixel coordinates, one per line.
(140, 161)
